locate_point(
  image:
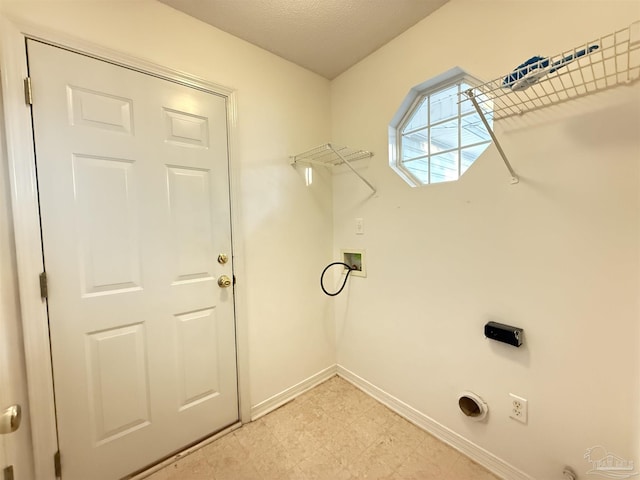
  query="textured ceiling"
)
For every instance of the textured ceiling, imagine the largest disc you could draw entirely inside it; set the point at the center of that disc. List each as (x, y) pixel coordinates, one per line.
(324, 36)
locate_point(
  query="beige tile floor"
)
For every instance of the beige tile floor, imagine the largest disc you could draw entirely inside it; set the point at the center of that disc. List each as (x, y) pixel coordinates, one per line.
(332, 432)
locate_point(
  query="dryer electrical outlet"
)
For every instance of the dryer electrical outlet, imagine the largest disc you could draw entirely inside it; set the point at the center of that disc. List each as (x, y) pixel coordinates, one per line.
(355, 259)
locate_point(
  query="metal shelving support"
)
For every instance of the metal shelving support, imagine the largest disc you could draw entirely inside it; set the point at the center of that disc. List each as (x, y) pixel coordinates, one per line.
(471, 96)
(329, 155)
(601, 64)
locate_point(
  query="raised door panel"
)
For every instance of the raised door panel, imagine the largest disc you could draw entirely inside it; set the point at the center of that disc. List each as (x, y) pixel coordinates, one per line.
(190, 204)
(186, 129)
(99, 110)
(107, 221)
(118, 382)
(198, 354)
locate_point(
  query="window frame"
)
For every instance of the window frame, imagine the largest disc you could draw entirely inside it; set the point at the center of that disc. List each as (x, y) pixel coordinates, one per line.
(413, 101)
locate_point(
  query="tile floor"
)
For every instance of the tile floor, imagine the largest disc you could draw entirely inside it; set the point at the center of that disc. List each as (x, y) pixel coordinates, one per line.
(332, 432)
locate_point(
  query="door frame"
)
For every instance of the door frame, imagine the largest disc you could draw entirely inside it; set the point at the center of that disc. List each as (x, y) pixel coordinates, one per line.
(26, 220)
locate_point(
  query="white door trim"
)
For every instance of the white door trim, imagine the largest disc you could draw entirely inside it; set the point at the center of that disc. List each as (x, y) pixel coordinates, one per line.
(26, 221)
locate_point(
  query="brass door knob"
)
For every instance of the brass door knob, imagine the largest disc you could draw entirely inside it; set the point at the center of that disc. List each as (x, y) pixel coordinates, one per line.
(10, 419)
(224, 281)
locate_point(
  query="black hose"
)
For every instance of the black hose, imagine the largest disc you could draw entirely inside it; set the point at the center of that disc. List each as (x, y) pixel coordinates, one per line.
(343, 283)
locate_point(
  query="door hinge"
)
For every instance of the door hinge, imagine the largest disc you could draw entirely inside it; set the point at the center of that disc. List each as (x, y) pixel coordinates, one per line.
(8, 473)
(57, 465)
(28, 97)
(44, 291)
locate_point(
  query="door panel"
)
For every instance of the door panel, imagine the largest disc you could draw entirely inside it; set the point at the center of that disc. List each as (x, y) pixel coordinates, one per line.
(106, 205)
(189, 193)
(99, 110)
(197, 333)
(134, 199)
(117, 369)
(185, 129)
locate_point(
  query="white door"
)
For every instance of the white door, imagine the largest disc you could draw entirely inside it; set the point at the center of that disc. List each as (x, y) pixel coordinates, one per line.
(134, 197)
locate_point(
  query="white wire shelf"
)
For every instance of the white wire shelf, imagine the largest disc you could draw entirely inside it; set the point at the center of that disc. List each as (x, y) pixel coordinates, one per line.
(329, 155)
(542, 81)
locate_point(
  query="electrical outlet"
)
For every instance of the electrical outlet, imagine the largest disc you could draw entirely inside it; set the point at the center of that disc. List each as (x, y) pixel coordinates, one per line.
(519, 408)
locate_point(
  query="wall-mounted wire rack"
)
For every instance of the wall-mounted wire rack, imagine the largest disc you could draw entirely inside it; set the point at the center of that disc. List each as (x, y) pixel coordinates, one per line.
(601, 64)
(329, 155)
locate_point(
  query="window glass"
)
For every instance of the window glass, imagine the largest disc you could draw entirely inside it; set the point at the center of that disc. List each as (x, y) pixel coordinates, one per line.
(438, 137)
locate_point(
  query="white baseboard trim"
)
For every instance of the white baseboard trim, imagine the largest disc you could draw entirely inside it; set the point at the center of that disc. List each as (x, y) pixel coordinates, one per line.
(290, 393)
(476, 453)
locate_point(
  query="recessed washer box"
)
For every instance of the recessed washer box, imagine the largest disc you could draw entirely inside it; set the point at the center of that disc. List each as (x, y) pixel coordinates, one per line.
(356, 259)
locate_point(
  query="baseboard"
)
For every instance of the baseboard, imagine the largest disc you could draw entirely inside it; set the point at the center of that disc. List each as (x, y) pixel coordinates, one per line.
(290, 393)
(474, 452)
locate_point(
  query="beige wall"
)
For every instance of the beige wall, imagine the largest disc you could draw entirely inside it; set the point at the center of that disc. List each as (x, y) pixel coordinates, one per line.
(282, 110)
(556, 254)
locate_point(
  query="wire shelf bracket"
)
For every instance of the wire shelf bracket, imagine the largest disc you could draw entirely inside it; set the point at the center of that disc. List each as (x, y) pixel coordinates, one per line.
(472, 98)
(601, 64)
(329, 155)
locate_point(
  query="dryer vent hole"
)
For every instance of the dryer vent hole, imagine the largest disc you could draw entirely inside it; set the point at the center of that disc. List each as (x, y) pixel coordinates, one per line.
(472, 406)
(469, 407)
